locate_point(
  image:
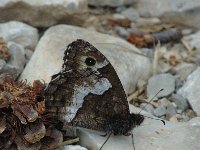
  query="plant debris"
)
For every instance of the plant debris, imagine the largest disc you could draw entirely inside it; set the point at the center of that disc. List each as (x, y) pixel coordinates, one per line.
(141, 39)
(23, 121)
(4, 51)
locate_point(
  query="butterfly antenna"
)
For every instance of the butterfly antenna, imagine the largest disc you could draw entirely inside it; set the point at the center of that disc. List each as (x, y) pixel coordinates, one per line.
(133, 141)
(149, 103)
(105, 141)
(151, 100)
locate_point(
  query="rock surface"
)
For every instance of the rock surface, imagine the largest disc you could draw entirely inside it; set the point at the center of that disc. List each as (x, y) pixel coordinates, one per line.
(131, 13)
(72, 147)
(190, 90)
(184, 69)
(158, 7)
(151, 135)
(163, 81)
(180, 101)
(19, 33)
(43, 13)
(47, 58)
(194, 39)
(184, 17)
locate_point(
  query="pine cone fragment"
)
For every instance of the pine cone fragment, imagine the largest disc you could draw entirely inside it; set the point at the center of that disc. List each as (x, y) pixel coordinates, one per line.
(23, 121)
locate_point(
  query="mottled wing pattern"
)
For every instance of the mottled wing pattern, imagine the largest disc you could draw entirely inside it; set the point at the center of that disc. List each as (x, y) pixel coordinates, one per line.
(87, 91)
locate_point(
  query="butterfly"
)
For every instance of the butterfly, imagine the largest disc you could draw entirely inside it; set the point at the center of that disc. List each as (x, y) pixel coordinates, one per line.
(87, 92)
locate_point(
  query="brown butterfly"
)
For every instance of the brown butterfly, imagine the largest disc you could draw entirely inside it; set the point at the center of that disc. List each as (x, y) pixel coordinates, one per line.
(88, 93)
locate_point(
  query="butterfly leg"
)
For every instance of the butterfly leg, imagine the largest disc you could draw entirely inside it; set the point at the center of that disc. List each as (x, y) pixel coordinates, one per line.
(105, 140)
(133, 141)
(128, 134)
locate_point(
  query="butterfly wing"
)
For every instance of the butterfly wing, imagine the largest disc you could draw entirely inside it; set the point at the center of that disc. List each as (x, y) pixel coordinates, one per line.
(87, 91)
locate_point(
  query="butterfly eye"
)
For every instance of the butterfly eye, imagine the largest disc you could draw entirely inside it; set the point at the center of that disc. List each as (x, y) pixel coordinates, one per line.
(90, 61)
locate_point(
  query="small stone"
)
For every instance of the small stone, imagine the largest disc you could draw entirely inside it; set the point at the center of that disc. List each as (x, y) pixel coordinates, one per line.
(147, 107)
(190, 113)
(163, 81)
(185, 118)
(20, 33)
(121, 31)
(160, 111)
(184, 69)
(164, 102)
(186, 31)
(173, 119)
(170, 111)
(180, 101)
(16, 63)
(190, 90)
(131, 14)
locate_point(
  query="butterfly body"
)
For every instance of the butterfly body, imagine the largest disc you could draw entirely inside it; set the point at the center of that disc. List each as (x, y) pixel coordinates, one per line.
(88, 93)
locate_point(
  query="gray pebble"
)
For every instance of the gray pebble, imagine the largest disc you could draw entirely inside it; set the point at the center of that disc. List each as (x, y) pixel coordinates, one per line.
(170, 111)
(147, 107)
(131, 14)
(163, 81)
(121, 31)
(180, 101)
(164, 102)
(160, 111)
